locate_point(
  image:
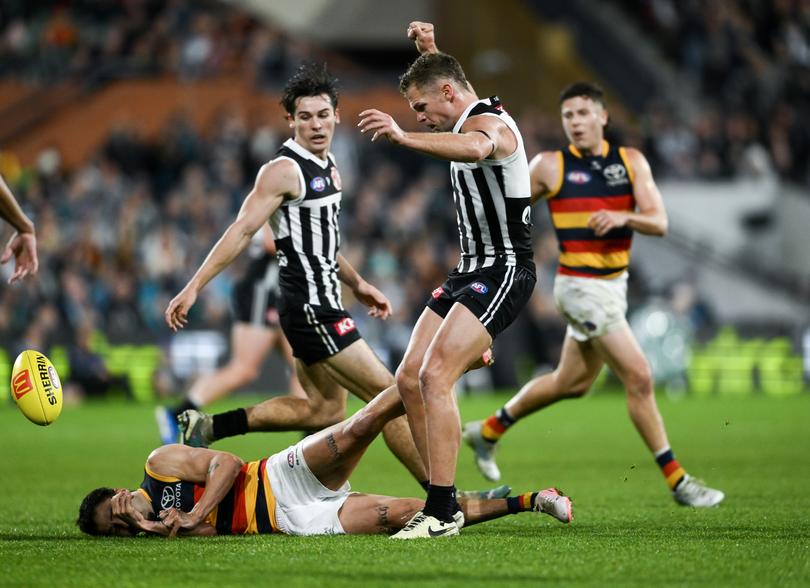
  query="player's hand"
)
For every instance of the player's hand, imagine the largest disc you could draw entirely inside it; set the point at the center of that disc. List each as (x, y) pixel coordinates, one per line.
(176, 314)
(121, 504)
(175, 520)
(23, 247)
(605, 221)
(379, 306)
(381, 124)
(423, 36)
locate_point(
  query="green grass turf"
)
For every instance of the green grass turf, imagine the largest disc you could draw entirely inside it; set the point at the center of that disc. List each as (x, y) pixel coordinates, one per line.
(627, 530)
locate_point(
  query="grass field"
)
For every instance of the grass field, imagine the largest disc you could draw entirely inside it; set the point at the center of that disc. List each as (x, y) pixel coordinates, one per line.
(626, 531)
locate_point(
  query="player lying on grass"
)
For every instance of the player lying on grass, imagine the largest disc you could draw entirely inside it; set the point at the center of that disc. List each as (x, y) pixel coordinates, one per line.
(302, 490)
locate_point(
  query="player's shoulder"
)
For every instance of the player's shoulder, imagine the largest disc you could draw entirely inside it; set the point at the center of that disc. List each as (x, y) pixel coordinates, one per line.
(279, 174)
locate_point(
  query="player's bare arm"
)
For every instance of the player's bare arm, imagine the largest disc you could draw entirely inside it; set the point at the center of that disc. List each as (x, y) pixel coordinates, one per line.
(423, 36)
(275, 182)
(651, 216)
(378, 303)
(481, 137)
(23, 243)
(216, 469)
(544, 174)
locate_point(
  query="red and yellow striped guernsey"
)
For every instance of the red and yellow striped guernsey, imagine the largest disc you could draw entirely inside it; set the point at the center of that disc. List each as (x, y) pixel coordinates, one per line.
(586, 185)
(248, 508)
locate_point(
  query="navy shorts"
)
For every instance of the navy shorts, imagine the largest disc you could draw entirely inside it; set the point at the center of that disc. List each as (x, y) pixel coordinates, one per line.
(496, 294)
(315, 332)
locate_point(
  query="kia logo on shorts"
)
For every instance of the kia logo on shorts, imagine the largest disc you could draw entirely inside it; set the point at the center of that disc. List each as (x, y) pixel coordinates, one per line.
(479, 287)
(437, 292)
(345, 326)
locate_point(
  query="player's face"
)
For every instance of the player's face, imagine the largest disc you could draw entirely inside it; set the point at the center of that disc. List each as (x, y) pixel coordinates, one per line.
(314, 123)
(584, 121)
(107, 524)
(433, 106)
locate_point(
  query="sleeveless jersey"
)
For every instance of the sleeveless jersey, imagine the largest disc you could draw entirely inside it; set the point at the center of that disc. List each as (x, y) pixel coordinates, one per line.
(492, 199)
(588, 184)
(307, 234)
(248, 508)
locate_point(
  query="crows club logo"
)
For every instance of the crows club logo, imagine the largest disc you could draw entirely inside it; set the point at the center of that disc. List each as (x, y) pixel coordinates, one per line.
(345, 326)
(479, 287)
(336, 179)
(437, 293)
(579, 177)
(318, 184)
(615, 175)
(21, 384)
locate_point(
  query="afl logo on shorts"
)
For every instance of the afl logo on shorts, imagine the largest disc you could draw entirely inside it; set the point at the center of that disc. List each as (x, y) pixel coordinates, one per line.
(479, 287)
(345, 326)
(291, 459)
(318, 184)
(579, 177)
(527, 216)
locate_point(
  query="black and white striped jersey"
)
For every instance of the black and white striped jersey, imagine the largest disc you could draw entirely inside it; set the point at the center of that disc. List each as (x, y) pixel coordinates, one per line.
(307, 234)
(493, 201)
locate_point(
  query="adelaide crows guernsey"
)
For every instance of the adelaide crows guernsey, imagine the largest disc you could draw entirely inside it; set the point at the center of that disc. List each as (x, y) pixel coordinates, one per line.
(307, 233)
(492, 198)
(248, 508)
(588, 184)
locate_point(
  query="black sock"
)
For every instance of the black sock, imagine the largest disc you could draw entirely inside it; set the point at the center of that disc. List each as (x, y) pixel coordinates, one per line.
(186, 405)
(425, 484)
(441, 502)
(230, 424)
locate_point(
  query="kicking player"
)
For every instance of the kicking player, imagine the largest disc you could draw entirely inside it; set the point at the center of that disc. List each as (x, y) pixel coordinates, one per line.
(495, 276)
(598, 195)
(302, 490)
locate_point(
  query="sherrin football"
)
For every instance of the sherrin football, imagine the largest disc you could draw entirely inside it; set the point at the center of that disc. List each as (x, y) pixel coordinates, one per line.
(36, 387)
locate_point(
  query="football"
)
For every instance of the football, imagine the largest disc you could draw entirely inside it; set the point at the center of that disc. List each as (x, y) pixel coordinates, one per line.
(36, 387)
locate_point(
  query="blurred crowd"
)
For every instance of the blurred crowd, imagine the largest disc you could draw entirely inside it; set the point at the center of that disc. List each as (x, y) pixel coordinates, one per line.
(96, 40)
(750, 60)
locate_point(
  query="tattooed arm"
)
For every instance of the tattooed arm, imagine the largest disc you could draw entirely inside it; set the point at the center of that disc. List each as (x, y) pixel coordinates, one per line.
(216, 469)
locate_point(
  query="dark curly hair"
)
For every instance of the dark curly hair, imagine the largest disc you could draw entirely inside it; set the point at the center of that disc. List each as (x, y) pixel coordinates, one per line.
(310, 79)
(585, 89)
(87, 510)
(432, 66)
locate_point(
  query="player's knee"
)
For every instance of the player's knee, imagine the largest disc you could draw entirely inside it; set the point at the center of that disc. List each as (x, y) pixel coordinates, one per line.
(433, 376)
(407, 378)
(244, 373)
(567, 387)
(639, 380)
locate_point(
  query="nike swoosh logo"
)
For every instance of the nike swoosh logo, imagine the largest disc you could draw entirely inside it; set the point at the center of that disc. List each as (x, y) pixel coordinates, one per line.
(438, 533)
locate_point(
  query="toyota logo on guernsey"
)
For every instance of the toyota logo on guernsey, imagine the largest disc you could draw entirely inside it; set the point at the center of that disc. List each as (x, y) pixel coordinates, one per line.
(479, 287)
(345, 326)
(318, 184)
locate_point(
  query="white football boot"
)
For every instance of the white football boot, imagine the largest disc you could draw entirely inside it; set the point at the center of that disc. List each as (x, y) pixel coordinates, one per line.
(422, 526)
(554, 503)
(694, 492)
(484, 451)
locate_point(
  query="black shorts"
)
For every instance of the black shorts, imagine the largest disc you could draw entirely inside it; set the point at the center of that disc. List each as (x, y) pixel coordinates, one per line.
(254, 299)
(494, 294)
(315, 332)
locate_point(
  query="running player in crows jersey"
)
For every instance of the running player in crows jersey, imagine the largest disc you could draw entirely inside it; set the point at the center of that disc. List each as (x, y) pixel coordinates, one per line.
(598, 195)
(495, 276)
(300, 192)
(302, 490)
(255, 331)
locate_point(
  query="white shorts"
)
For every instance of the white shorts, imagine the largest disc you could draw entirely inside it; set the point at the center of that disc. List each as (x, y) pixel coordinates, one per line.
(592, 307)
(304, 506)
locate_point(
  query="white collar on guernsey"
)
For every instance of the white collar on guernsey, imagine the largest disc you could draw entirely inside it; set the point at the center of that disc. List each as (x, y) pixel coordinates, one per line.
(292, 144)
(463, 117)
